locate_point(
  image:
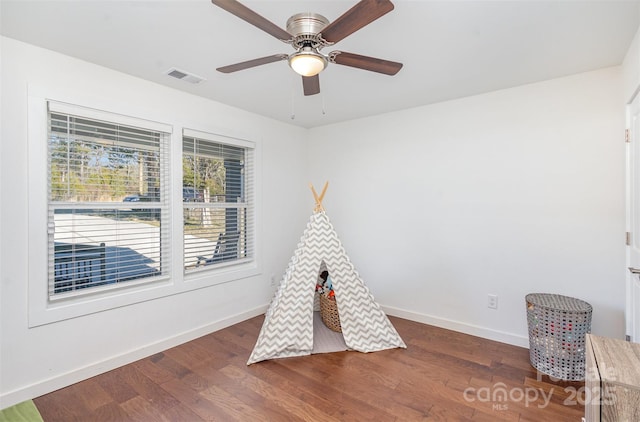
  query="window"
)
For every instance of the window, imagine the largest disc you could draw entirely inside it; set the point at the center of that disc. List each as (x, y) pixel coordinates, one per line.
(217, 201)
(108, 203)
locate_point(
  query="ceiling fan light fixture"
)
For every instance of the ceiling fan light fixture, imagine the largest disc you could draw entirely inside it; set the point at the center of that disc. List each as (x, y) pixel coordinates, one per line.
(307, 62)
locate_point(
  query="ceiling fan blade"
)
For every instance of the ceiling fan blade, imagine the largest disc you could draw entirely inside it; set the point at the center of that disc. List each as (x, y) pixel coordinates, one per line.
(248, 15)
(360, 15)
(311, 85)
(252, 63)
(364, 62)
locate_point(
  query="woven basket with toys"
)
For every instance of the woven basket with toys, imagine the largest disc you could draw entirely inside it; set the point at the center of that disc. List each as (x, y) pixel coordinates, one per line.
(328, 306)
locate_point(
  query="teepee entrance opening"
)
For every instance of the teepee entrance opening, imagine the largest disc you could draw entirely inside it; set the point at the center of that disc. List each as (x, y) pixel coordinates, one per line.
(288, 328)
(327, 331)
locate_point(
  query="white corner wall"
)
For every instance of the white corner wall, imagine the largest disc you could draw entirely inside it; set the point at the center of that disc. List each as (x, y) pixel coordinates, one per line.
(37, 360)
(506, 193)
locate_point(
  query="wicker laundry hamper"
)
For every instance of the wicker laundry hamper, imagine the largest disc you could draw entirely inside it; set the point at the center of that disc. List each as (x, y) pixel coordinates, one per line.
(329, 313)
(557, 329)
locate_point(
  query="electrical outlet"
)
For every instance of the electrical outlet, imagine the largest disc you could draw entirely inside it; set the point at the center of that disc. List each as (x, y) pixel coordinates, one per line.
(492, 301)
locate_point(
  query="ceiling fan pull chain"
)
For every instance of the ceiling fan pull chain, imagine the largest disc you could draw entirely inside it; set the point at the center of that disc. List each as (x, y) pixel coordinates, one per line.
(322, 96)
(293, 100)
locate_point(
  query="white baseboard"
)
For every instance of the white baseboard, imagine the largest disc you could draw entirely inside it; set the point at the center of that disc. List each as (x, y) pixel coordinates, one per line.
(59, 381)
(474, 330)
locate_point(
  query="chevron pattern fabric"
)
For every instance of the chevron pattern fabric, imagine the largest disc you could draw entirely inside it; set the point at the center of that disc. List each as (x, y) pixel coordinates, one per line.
(288, 326)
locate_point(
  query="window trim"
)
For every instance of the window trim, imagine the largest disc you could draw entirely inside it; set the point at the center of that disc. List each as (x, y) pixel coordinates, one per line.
(44, 311)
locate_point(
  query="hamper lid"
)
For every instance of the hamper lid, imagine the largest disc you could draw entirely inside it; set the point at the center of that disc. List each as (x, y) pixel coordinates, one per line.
(558, 302)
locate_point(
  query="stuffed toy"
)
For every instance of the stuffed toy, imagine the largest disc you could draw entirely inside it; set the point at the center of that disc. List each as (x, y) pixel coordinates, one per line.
(325, 285)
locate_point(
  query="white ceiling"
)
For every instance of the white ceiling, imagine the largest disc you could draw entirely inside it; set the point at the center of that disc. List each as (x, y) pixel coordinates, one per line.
(450, 49)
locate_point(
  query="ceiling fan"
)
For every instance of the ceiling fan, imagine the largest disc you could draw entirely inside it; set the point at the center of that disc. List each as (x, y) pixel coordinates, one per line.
(308, 33)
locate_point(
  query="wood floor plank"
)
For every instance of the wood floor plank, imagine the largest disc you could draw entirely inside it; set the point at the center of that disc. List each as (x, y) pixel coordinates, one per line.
(153, 371)
(188, 354)
(465, 352)
(205, 409)
(287, 400)
(372, 390)
(235, 408)
(56, 407)
(323, 395)
(216, 378)
(182, 413)
(119, 391)
(146, 389)
(442, 376)
(140, 409)
(166, 362)
(110, 412)
(91, 394)
(426, 400)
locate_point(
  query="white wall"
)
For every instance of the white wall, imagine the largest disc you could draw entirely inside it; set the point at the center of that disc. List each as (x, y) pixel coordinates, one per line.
(511, 192)
(40, 359)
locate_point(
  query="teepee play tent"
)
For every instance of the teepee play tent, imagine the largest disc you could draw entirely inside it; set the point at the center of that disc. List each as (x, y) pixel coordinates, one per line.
(288, 326)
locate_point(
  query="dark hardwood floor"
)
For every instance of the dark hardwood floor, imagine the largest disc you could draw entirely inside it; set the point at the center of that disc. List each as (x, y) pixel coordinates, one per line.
(442, 375)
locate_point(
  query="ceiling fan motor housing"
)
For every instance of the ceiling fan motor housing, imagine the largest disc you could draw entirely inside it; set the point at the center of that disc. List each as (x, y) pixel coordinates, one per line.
(305, 28)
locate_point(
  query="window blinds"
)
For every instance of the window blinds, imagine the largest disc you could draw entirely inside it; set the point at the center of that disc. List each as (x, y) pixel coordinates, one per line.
(218, 179)
(108, 200)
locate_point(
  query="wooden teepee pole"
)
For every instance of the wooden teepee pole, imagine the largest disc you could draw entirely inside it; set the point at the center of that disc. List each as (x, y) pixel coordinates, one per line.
(319, 198)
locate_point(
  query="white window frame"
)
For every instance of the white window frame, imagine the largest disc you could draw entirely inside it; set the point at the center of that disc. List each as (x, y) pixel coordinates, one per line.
(44, 311)
(248, 234)
(104, 257)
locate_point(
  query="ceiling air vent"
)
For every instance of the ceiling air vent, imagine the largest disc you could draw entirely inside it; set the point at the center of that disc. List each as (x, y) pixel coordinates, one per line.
(184, 76)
